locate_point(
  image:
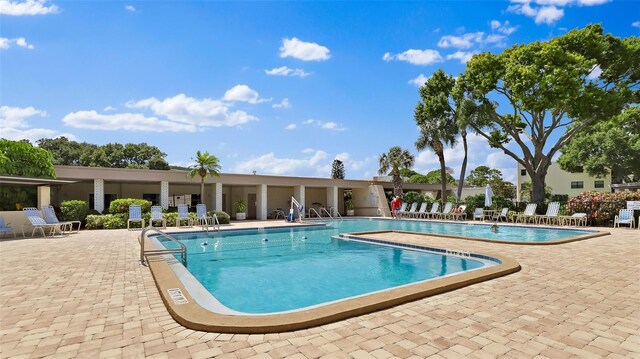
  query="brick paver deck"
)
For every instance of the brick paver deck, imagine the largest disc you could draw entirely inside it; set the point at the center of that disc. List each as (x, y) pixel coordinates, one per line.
(86, 296)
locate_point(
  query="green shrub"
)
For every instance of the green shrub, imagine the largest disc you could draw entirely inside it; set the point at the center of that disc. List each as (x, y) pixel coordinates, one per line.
(477, 201)
(562, 198)
(171, 218)
(223, 217)
(600, 207)
(106, 221)
(122, 205)
(95, 221)
(74, 210)
(415, 197)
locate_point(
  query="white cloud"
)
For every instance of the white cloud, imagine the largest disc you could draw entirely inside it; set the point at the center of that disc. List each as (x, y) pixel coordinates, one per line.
(284, 104)
(123, 121)
(635, 24)
(28, 7)
(243, 93)
(306, 51)
(592, 2)
(418, 81)
(291, 126)
(548, 11)
(286, 71)
(461, 42)
(14, 126)
(595, 73)
(312, 165)
(109, 108)
(194, 112)
(549, 15)
(504, 28)
(463, 56)
(416, 57)
(324, 125)
(5, 43)
(130, 8)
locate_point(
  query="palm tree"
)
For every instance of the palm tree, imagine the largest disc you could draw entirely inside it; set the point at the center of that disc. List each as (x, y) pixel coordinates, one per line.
(396, 159)
(206, 164)
(436, 119)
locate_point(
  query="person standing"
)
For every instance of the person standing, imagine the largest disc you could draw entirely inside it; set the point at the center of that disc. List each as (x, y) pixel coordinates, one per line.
(396, 203)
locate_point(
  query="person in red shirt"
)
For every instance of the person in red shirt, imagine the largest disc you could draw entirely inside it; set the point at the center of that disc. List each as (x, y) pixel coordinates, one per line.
(396, 203)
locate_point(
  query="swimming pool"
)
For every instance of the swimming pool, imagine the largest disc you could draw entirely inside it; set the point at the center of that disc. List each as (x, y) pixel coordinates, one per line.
(288, 269)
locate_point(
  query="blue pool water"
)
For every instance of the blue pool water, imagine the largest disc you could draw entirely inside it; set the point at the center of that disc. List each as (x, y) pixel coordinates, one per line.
(282, 269)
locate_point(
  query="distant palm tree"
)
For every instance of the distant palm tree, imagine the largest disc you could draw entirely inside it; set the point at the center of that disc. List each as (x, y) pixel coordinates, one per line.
(437, 119)
(396, 159)
(206, 164)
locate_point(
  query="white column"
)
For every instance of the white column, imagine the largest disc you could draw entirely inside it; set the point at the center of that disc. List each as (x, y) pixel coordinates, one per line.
(298, 193)
(164, 194)
(98, 195)
(44, 196)
(261, 199)
(332, 199)
(218, 201)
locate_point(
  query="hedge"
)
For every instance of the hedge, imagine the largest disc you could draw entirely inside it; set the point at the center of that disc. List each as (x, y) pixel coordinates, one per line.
(75, 210)
(119, 220)
(601, 207)
(122, 205)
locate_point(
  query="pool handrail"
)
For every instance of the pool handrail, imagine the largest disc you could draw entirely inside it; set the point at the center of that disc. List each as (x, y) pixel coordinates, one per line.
(155, 252)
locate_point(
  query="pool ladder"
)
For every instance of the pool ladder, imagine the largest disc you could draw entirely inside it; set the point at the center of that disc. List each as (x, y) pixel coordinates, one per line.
(158, 252)
(215, 224)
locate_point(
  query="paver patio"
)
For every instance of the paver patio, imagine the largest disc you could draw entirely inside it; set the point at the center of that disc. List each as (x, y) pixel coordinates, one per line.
(86, 296)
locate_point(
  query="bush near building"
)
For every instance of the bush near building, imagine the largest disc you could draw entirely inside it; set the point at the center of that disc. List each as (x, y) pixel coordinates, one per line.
(601, 208)
(122, 205)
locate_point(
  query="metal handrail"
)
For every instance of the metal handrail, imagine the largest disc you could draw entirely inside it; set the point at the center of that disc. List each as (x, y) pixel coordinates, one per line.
(316, 212)
(143, 252)
(325, 210)
(335, 210)
(215, 224)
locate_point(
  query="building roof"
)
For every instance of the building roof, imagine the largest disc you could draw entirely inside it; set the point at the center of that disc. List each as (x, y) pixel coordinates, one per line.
(31, 181)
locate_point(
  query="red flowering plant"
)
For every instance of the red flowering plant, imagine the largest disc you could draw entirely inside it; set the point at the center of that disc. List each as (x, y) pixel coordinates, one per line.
(600, 207)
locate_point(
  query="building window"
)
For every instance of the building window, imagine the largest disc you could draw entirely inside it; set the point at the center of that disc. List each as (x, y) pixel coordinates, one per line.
(577, 184)
(523, 172)
(108, 197)
(154, 198)
(598, 184)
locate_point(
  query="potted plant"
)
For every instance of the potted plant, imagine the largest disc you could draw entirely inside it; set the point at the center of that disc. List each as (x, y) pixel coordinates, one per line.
(241, 207)
(350, 207)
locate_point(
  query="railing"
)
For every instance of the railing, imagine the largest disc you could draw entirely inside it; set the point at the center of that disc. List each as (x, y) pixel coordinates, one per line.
(156, 252)
(335, 210)
(322, 209)
(314, 211)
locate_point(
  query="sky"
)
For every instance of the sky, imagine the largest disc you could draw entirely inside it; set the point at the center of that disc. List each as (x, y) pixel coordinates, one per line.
(280, 88)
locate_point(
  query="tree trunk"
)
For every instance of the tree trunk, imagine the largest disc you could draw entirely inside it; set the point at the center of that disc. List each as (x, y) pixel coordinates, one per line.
(397, 185)
(463, 170)
(202, 190)
(443, 173)
(537, 187)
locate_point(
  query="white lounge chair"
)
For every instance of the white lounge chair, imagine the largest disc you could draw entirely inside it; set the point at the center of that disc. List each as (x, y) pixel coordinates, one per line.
(203, 218)
(183, 215)
(37, 222)
(156, 215)
(446, 210)
(50, 217)
(501, 216)
(576, 219)
(403, 208)
(5, 228)
(478, 214)
(435, 208)
(135, 215)
(625, 216)
(421, 211)
(529, 214)
(411, 211)
(459, 213)
(552, 214)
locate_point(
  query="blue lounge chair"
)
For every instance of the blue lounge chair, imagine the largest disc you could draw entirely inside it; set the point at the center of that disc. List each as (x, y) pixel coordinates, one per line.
(625, 216)
(37, 222)
(156, 215)
(5, 228)
(135, 215)
(183, 215)
(50, 217)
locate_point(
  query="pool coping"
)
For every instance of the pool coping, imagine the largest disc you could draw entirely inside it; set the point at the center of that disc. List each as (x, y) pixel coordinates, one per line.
(190, 314)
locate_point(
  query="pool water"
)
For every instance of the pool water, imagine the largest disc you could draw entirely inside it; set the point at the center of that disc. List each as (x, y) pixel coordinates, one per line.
(298, 267)
(284, 269)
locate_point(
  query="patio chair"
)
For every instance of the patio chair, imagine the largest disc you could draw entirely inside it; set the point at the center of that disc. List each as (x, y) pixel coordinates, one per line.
(183, 215)
(459, 213)
(576, 219)
(448, 207)
(135, 215)
(421, 211)
(411, 211)
(478, 214)
(435, 207)
(50, 217)
(501, 216)
(551, 215)
(529, 214)
(403, 208)
(5, 228)
(203, 218)
(625, 216)
(156, 215)
(37, 222)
